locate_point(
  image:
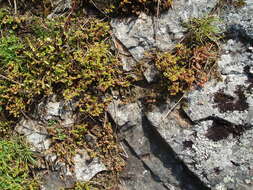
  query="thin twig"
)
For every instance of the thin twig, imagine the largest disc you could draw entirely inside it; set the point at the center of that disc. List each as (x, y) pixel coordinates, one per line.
(125, 153)
(173, 107)
(15, 7)
(158, 9)
(10, 3)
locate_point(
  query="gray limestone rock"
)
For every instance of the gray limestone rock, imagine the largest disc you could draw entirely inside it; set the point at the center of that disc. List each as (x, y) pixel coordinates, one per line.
(156, 155)
(122, 118)
(151, 74)
(219, 156)
(61, 8)
(53, 181)
(136, 176)
(35, 133)
(227, 99)
(86, 168)
(146, 32)
(52, 109)
(239, 20)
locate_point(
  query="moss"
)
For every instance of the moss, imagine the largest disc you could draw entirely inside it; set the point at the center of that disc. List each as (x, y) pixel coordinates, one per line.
(15, 161)
(73, 59)
(82, 186)
(191, 62)
(106, 7)
(233, 3)
(131, 7)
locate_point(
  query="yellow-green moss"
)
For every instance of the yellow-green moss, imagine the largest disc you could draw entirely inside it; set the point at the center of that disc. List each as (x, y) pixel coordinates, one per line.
(203, 30)
(190, 63)
(134, 7)
(233, 3)
(71, 57)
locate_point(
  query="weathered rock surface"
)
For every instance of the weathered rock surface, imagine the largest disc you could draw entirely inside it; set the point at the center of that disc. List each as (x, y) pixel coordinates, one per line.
(230, 98)
(35, 133)
(136, 176)
(85, 167)
(155, 154)
(61, 8)
(220, 162)
(61, 111)
(146, 32)
(240, 20)
(218, 149)
(54, 181)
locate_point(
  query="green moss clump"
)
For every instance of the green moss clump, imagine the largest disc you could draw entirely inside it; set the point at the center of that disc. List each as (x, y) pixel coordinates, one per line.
(190, 63)
(203, 30)
(82, 186)
(69, 57)
(15, 160)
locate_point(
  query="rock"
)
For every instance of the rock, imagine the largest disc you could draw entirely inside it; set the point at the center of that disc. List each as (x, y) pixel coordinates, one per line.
(62, 6)
(228, 99)
(35, 133)
(61, 111)
(128, 62)
(122, 118)
(155, 155)
(52, 110)
(239, 20)
(151, 74)
(136, 176)
(53, 181)
(218, 155)
(159, 33)
(86, 168)
(250, 116)
(218, 149)
(91, 140)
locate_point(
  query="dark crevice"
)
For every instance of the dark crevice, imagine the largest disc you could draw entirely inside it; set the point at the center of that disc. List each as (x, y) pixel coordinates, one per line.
(160, 148)
(250, 77)
(154, 176)
(237, 32)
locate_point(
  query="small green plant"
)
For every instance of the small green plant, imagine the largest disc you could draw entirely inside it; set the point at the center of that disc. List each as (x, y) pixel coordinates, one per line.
(52, 122)
(83, 186)
(15, 160)
(185, 68)
(5, 128)
(203, 30)
(190, 63)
